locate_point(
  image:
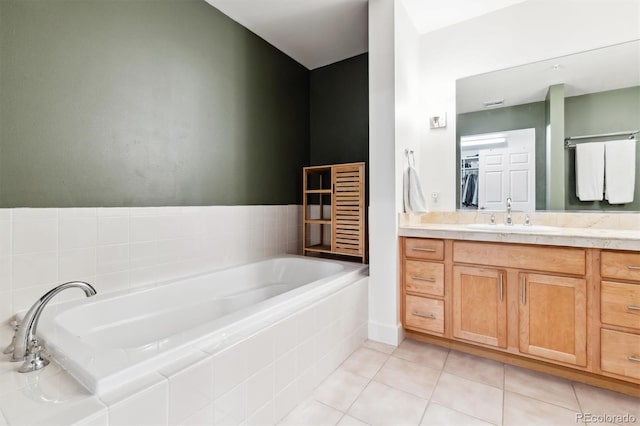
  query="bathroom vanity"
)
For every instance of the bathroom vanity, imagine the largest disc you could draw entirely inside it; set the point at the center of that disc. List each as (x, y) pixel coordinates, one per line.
(561, 300)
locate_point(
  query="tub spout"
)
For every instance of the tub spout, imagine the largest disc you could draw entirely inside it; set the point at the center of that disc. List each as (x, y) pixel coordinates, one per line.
(27, 347)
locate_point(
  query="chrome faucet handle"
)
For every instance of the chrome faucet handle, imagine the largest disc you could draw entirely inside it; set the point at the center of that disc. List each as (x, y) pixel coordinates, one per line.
(9, 349)
(492, 219)
(527, 219)
(34, 361)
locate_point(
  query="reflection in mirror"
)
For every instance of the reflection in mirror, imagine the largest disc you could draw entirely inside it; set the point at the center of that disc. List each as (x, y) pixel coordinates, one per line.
(588, 93)
(495, 166)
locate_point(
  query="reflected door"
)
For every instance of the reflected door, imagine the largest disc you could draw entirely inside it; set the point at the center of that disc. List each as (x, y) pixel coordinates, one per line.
(508, 172)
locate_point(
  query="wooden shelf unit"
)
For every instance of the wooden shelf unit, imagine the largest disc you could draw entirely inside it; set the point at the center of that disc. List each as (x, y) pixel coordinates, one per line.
(336, 195)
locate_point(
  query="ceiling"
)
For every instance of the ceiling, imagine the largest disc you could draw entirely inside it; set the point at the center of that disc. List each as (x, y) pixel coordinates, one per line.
(593, 71)
(320, 32)
(313, 32)
(431, 15)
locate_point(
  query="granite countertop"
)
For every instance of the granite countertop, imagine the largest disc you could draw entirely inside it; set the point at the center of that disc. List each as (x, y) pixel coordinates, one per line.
(582, 236)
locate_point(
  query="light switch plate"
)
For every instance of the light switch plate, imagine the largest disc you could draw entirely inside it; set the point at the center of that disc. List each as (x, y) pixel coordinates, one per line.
(438, 121)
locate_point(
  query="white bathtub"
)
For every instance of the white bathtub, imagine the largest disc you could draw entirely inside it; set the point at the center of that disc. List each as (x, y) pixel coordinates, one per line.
(109, 340)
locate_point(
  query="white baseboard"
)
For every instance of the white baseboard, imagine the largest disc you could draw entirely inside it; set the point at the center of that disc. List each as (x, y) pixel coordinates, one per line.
(386, 333)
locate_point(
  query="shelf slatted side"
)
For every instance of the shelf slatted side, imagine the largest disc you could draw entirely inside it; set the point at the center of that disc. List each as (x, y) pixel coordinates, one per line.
(348, 211)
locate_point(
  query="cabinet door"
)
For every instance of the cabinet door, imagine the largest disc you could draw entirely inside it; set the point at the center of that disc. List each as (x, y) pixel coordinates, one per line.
(480, 305)
(348, 209)
(553, 317)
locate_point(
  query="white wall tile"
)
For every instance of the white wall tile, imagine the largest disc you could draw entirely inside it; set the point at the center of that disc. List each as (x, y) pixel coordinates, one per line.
(5, 237)
(260, 350)
(229, 368)
(105, 283)
(113, 230)
(260, 389)
(231, 408)
(147, 407)
(5, 307)
(35, 269)
(78, 231)
(286, 370)
(29, 213)
(34, 235)
(113, 258)
(114, 211)
(190, 390)
(5, 275)
(77, 264)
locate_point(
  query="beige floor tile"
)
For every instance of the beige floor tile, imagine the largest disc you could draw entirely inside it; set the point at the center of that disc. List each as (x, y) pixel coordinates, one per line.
(311, 412)
(422, 353)
(383, 405)
(521, 410)
(475, 368)
(438, 415)
(475, 399)
(364, 362)
(347, 420)
(599, 401)
(544, 387)
(340, 389)
(407, 376)
(380, 347)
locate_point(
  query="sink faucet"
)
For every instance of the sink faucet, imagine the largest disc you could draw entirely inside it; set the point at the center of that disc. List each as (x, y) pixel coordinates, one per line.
(27, 347)
(509, 221)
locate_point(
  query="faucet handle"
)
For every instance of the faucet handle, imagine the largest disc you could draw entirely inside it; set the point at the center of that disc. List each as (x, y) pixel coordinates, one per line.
(35, 360)
(492, 219)
(9, 349)
(527, 219)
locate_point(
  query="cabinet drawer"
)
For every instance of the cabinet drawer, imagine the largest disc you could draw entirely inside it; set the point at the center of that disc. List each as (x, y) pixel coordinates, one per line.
(623, 266)
(424, 277)
(620, 353)
(423, 248)
(424, 314)
(551, 259)
(620, 304)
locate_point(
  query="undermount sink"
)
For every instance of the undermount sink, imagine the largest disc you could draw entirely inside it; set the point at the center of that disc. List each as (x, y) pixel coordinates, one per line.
(501, 227)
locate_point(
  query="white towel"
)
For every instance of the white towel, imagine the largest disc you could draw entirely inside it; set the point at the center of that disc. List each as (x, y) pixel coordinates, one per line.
(412, 191)
(620, 159)
(590, 171)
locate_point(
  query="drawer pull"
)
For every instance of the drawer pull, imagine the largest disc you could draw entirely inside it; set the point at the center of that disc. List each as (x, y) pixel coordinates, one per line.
(633, 308)
(428, 279)
(430, 250)
(633, 358)
(428, 316)
(634, 267)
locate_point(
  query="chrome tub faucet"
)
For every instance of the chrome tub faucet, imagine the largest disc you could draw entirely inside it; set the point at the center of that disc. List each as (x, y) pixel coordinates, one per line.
(25, 344)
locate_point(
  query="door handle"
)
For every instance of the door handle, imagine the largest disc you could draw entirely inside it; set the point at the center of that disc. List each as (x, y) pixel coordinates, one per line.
(524, 289)
(501, 287)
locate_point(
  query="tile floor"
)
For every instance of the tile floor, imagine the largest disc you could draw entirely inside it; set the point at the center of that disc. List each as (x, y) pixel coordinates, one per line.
(422, 384)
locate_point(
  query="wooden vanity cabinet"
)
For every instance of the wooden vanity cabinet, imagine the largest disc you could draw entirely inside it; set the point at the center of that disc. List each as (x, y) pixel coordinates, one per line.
(553, 317)
(479, 305)
(423, 285)
(620, 315)
(570, 311)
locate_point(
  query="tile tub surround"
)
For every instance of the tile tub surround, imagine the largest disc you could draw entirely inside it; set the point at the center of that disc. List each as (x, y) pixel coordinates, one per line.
(258, 379)
(422, 384)
(121, 248)
(612, 231)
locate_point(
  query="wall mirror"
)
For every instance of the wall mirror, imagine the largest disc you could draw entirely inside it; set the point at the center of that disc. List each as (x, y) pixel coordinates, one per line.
(504, 119)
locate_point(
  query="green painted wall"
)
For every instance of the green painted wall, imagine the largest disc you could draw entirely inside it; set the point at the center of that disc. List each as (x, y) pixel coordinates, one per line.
(503, 119)
(339, 120)
(555, 148)
(603, 112)
(147, 102)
